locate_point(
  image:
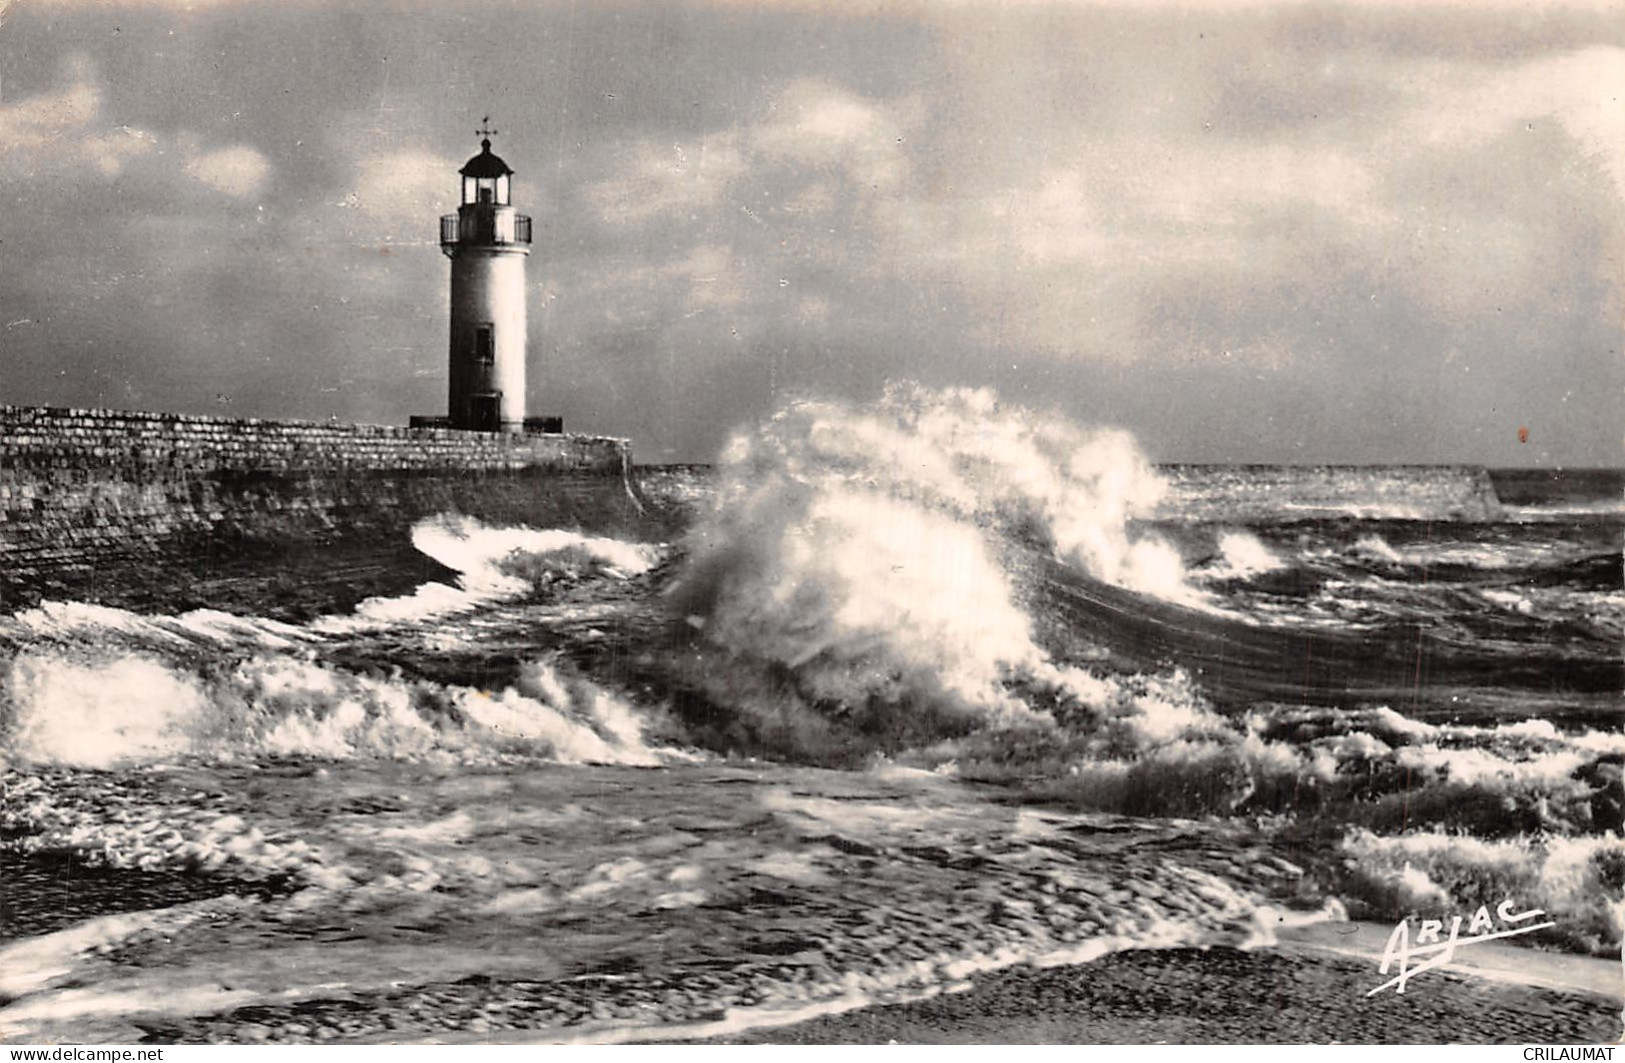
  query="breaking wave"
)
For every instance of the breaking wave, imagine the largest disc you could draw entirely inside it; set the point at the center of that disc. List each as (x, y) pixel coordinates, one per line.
(492, 564)
(102, 710)
(1241, 556)
(97, 687)
(1578, 882)
(854, 576)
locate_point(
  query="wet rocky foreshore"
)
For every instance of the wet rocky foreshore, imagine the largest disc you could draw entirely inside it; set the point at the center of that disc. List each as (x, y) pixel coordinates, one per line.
(1218, 996)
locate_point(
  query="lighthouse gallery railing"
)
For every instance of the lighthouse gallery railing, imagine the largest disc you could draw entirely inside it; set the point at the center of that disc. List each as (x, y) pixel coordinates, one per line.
(499, 228)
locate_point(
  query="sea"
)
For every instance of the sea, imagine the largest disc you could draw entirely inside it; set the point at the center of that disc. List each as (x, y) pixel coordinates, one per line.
(923, 688)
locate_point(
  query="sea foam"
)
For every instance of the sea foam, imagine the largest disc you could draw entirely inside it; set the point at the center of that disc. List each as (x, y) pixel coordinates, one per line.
(114, 708)
(864, 552)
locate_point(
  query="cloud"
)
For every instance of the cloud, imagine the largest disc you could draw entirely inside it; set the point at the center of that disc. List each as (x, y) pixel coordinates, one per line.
(1081, 259)
(238, 170)
(402, 189)
(1174, 201)
(834, 118)
(39, 120)
(810, 132)
(1054, 221)
(1579, 89)
(660, 179)
(817, 127)
(62, 130)
(1129, 232)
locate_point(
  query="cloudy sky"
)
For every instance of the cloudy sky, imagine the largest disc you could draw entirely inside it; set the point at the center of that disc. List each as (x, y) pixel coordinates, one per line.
(1326, 231)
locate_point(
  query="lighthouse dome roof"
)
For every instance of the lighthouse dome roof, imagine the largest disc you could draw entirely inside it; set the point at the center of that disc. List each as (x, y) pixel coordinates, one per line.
(485, 164)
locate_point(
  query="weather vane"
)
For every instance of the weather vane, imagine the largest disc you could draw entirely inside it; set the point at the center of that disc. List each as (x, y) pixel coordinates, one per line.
(485, 130)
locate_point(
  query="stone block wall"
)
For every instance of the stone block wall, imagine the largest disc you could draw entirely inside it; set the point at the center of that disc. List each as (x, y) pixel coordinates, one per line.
(82, 489)
(676, 494)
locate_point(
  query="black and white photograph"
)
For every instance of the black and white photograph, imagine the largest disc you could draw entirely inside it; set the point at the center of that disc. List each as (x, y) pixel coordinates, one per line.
(807, 522)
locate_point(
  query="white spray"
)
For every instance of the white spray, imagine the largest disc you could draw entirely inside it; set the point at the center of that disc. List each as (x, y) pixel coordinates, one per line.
(860, 548)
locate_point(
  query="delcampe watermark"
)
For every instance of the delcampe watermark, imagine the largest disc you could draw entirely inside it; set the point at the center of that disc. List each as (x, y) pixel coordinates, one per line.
(1402, 951)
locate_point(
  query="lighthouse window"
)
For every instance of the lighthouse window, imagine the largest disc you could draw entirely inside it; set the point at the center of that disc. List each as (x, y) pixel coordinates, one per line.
(484, 350)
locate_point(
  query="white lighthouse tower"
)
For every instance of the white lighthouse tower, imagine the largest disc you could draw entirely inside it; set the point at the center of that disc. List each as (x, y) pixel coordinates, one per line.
(487, 243)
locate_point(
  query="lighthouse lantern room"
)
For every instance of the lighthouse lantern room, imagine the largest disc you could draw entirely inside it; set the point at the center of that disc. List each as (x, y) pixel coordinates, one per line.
(487, 242)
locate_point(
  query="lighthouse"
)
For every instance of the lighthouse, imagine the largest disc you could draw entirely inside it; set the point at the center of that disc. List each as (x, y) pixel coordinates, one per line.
(487, 242)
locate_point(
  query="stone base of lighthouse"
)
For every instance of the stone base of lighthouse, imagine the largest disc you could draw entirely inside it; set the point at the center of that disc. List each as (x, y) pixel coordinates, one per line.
(530, 426)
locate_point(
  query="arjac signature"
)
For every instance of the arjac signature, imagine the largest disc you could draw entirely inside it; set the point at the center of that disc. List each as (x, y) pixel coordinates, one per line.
(1400, 950)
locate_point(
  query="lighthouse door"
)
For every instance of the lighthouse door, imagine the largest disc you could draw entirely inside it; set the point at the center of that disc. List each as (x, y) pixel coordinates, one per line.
(486, 412)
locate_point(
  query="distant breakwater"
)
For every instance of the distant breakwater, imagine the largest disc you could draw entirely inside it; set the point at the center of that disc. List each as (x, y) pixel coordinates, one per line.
(1284, 493)
(1237, 493)
(92, 496)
